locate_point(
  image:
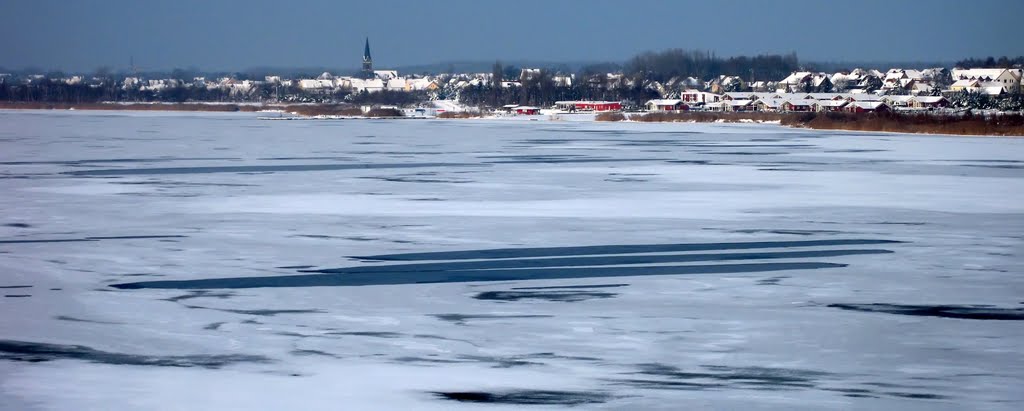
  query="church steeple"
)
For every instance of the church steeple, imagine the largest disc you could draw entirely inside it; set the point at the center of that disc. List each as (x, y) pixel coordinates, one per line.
(367, 60)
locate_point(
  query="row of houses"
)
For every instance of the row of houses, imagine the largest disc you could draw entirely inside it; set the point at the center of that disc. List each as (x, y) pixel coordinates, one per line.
(804, 102)
(988, 81)
(692, 90)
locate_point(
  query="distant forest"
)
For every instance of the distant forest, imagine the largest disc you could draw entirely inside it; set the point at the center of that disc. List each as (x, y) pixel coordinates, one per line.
(991, 62)
(665, 65)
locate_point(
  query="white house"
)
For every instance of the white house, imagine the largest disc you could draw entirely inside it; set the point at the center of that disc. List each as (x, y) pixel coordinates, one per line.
(370, 85)
(386, 74)
(665, 105)
(988, 79)
(738, 105)
(693, 96)
(398, 84)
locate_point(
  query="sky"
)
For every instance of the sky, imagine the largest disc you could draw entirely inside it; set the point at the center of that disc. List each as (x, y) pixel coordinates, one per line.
(80, 35)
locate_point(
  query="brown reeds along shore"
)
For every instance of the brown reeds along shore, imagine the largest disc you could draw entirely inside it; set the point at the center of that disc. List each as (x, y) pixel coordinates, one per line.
(956, 124)
(459, 114)
(951, 124)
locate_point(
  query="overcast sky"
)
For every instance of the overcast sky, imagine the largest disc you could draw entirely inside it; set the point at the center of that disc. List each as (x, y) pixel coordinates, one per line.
(235, 35)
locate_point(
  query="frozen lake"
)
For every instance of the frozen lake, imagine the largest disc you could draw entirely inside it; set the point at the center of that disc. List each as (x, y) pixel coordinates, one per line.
(216, 261)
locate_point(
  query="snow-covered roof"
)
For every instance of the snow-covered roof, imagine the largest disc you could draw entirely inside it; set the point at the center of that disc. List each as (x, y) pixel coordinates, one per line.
(664, 102)
(965, 83)
(796, 77)
(993, 90)
(739, 94)
(397, 83)
(771, 102)
(831, 103)
(928, 99)
(979, 73)
(868, 105)
(800, 102)
(823, 96)
(861, 96)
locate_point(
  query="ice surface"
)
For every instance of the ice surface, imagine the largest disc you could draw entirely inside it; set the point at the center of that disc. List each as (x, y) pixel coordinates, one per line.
(544, 264)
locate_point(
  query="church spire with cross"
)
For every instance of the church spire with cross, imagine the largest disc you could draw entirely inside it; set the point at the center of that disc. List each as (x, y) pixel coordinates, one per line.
(367, 60)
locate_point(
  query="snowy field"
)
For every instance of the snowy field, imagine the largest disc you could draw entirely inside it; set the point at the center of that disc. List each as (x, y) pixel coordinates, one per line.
(155, 261)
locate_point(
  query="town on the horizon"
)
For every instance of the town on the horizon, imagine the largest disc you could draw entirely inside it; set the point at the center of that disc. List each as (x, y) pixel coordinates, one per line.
(650, 82)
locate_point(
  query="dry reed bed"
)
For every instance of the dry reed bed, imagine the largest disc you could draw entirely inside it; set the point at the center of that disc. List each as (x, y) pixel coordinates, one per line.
(1002, 125)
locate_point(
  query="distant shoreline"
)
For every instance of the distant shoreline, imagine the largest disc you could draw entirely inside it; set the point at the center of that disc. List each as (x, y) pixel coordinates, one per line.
(977, 126)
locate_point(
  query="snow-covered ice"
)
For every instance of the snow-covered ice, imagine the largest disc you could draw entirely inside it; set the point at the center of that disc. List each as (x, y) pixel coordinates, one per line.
(217, 261)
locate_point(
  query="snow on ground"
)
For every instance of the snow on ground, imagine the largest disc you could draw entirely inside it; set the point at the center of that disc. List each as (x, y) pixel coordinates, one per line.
(746, 266)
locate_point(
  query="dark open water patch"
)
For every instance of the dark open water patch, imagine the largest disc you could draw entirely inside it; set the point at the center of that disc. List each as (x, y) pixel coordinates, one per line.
(771, 280)
(394, 278)
(917, 396)
(574, 160)
(308, 158)
(70, 240)
(746, 153)
(539, 157)
(461, 319)
(40, 352)
(558, 296)
(213, 326)
(1008, 166)
(259, 312)
(526, 397)
(306, 353)
(420, 180)
(377, 334)
(14, 286)
(296, 267)
(200, 294)
(665, 377)
(520, 265)
(612, 249)
(967, 312)
(256, 169)
(787, 232)
(856, 150)
(17, 295)
(694, 162)
(81, 320)
(117, 160)
(556, 287)
(165, 184)
(18, 225)
(595, 261)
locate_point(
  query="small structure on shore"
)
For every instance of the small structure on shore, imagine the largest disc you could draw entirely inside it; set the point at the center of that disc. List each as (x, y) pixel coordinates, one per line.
(587, 105)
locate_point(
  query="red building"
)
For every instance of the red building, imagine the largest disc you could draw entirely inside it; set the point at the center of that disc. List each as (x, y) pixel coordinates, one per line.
(527, 110)
(589, 105)
(866, 107)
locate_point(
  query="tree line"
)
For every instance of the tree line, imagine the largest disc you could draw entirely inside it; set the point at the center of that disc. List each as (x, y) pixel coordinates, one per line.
(675, 63)
(991, 62)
